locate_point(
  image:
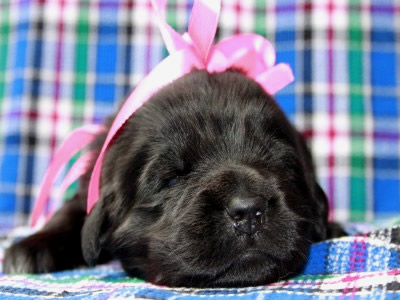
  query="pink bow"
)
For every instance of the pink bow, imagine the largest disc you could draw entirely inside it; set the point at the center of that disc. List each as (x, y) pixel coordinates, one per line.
(251, 53)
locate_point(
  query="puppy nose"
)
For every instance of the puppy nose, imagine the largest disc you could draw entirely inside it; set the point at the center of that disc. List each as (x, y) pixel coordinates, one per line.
(247, 214)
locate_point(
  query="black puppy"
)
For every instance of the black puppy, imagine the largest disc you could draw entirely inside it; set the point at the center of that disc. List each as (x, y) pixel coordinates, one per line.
(207, 185)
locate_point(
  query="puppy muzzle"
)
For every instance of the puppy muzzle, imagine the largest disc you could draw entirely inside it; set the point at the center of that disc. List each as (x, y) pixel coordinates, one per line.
(247, 214)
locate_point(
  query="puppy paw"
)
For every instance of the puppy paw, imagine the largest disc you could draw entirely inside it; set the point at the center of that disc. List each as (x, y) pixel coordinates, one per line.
(41, 253)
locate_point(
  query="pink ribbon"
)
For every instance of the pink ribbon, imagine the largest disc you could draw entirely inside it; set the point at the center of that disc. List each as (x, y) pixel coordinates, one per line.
(74, 173)
(251, 53)
(75, 142)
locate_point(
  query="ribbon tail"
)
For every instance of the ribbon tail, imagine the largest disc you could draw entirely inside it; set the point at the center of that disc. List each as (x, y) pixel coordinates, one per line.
(172, 39)
(275, 78)
(203, 25)
(75, 172)
(76, 141)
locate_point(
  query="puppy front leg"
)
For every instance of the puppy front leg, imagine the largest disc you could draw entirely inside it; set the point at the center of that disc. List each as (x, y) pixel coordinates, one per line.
(56, 247)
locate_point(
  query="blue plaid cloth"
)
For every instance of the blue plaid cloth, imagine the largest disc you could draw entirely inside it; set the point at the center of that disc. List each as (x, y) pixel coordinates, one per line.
(66, 63)
(364, 266)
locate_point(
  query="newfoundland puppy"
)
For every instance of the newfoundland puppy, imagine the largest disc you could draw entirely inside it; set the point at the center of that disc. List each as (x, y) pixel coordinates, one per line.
(207, 185)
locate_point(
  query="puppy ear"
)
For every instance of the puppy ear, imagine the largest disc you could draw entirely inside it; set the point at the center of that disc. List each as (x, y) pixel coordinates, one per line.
(325, 229)
(94, 234)
(322, 212)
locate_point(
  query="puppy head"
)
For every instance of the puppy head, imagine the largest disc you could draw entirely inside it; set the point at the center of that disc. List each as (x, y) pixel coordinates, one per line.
(207, 185)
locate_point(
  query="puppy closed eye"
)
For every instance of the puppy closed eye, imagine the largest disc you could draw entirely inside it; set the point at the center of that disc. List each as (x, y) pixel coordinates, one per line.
(171, 181)
(176, 177)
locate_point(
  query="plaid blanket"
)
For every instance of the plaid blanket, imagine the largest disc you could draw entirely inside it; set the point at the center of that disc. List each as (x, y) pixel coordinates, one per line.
(363, 266)
(65, 63)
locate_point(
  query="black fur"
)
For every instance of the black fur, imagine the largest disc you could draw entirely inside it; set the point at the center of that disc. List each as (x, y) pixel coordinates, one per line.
(207, 185)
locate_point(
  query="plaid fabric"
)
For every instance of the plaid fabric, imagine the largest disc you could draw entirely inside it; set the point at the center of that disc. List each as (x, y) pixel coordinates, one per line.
(365, 266)
(65, 63)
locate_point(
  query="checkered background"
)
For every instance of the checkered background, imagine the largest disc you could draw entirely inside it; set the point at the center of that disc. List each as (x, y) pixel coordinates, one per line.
(68, 62)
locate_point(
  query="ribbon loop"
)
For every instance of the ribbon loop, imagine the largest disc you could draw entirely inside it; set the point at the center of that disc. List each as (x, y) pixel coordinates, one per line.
(276, 78)
(74, 173)
(76, 141)
(235, 47)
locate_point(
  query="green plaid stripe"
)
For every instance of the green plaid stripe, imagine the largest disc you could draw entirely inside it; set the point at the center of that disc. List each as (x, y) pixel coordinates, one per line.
(261, 16)
(80, 78)
(4, 42)
(81, 63)
(357, 111)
